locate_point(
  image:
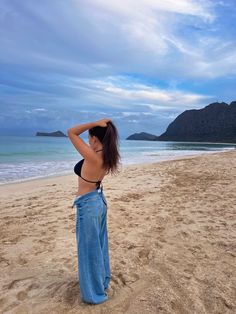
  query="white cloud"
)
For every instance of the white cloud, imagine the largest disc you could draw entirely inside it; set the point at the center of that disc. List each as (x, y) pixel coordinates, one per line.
(153, 38)
(133, 121)
(100, 37)
(132, 8)
(143, 94)
(128, 114)
(40, 109)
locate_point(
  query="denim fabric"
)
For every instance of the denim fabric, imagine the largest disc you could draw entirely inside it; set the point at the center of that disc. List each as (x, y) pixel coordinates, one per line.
(92, 246)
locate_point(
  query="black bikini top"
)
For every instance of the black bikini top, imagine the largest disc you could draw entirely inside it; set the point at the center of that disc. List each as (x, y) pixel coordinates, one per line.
(78, 167)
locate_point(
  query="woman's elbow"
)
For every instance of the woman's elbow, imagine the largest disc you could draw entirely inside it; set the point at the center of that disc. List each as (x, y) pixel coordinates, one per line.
(69, 132)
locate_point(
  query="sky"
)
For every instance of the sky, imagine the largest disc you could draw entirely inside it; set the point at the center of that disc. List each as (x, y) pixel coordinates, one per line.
(139, 62)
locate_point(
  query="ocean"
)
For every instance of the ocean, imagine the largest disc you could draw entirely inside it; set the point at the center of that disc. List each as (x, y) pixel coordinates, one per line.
(30, 157)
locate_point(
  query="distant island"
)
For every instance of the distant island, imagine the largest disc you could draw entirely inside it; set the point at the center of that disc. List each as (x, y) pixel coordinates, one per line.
(213, 123)
(143, 136)
(54, 134)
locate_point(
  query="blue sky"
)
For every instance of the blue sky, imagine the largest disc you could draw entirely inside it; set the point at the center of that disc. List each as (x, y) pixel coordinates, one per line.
(139, 62)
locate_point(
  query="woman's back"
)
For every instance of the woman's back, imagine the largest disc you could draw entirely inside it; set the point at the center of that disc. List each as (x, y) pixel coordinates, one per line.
(101, 156)
(90, 175)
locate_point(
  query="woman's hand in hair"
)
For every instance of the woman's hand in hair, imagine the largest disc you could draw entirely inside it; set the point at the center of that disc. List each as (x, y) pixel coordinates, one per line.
(103, 122)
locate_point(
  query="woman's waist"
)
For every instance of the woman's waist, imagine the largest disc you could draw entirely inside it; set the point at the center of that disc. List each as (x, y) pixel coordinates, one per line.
(93, 194)
(85, 191)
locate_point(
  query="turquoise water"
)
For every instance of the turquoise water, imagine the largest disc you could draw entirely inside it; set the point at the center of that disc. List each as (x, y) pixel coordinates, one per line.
(24, 158)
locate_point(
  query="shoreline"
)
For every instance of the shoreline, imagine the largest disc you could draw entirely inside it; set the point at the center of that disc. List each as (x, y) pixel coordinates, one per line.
(51, 177)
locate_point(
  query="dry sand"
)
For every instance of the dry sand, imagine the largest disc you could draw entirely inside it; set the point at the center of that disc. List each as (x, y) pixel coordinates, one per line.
(172, 239)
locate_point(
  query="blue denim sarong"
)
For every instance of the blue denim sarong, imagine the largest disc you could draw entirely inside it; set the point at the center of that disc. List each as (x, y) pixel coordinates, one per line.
(92, 246)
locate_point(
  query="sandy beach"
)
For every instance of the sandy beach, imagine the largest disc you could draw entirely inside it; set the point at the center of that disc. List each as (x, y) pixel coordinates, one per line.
(172, 240)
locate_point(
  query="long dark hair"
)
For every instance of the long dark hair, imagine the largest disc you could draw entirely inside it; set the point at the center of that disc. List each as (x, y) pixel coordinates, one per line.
(109, 137)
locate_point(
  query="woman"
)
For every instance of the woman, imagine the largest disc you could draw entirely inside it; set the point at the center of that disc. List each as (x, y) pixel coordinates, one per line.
(101, 157)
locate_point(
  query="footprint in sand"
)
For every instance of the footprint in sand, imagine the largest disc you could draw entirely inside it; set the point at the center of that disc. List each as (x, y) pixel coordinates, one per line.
(16, 283)
(158, 245)
(11, 306)
(22, 260)
(72, 217)
(121, 279)
(22, 288)
(131, 246)
(144, 255)
(17, 239)
(184, 234)
(64, 291)
(4, 261)
(22, 295)
(3, 301)
(162, 240)
(33, 198)
(179, 219)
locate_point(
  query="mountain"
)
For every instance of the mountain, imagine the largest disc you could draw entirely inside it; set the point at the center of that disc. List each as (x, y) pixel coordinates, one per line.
(214, 123)
(142, 136)
(55, 134)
